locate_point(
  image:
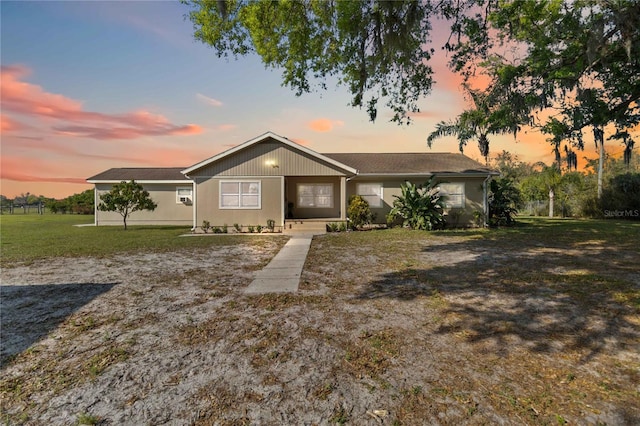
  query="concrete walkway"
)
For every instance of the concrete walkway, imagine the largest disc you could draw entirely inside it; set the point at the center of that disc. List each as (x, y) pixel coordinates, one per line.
(282, 274)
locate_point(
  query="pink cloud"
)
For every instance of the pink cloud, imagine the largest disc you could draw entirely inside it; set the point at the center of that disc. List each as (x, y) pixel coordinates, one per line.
(22, 98)
(8, 124)
(209, 101)
(14, 169)
(323, 125)
(225, 127)
(54, 147)
(18, 177)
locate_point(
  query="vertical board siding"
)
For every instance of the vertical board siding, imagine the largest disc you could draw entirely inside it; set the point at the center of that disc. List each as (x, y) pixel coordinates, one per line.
(254, 161)
(209, 204)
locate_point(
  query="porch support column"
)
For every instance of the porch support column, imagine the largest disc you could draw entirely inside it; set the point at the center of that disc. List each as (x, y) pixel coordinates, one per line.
(343, 198)
(283, 214)
(95, 204)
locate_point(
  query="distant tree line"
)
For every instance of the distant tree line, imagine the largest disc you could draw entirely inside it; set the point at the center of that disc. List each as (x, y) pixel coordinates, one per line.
(558, 190)
(82, 203)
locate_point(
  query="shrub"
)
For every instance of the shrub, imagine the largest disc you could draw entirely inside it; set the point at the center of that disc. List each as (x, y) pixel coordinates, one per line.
(455, 215)
(503, 199)
(237, 227)
(622, 194)
(342, 227)
(332, 227)
(259, 229)
(251, 229)
(271, 225)
(478, 218)
(419, 206)
(205, 226)
(590, 206)
(359, 212)
(225, 229)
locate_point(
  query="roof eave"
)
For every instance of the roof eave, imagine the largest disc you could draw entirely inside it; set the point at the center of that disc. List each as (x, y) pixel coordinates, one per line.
(171, 181)
(428, 174)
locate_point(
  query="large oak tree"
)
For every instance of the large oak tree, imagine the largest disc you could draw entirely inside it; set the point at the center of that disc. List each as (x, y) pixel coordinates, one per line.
(578, 61)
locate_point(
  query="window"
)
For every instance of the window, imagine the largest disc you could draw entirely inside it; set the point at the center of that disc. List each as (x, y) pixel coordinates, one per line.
(240, 194)
(184, 195)
(372, 192)
(315, 195)
(454, 193)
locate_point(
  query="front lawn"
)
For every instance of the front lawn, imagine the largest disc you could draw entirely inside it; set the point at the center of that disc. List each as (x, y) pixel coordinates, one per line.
(535, 324)
(25, 238)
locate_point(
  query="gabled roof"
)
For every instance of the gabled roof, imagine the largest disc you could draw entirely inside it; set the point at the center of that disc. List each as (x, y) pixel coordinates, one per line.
(140, 174)
(262, 138)
(417, 163)
(358, 164)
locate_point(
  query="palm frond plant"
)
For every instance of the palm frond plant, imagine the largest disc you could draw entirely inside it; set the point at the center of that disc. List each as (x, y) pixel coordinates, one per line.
(488, 116)
(419, 206)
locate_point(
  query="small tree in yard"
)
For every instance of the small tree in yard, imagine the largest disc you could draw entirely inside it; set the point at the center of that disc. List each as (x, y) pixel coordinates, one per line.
(126, 198)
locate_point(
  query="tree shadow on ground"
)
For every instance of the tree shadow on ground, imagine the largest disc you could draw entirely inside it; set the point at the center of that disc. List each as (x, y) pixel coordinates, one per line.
(30, 312)
(541, 293)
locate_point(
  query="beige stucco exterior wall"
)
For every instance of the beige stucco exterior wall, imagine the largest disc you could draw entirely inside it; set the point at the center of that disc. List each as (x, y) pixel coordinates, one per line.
(208, 201)
(474, 195)
(168, 212)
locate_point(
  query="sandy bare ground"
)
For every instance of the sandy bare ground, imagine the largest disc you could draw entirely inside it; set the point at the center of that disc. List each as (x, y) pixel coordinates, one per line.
(438, 330)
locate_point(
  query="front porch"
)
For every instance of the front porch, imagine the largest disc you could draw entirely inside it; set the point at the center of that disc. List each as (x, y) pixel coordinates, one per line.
(309, 226)
(321, 198)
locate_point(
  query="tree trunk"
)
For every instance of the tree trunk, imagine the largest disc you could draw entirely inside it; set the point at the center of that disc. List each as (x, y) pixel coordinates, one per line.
(598, 135)
(552, 196)
(600, 169)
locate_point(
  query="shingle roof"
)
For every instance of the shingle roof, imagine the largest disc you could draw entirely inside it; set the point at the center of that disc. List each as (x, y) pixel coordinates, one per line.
(365, 163)
(410, 163)
(148, 173)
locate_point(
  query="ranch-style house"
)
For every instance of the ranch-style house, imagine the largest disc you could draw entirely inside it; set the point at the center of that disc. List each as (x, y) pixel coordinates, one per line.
(272, 177)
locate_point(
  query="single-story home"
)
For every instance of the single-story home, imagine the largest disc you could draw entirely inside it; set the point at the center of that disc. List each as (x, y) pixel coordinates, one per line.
(272, 177)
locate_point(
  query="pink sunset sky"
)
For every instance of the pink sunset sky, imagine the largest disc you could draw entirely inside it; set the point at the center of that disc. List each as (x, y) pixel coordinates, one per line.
(87, 86)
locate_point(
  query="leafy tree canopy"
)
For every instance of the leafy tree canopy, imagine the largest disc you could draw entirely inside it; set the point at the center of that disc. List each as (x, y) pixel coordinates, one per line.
(375, 48)
(126, 198)
(581, 58)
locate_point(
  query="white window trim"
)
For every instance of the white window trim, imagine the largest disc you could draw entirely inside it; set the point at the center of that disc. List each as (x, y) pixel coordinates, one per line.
(380, 194)
(329, 184)
(187, 188)
(446, 193)
(239, 182)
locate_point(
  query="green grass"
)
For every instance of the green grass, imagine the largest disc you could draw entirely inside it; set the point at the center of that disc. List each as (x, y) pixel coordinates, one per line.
(531, 324)
(26, 238)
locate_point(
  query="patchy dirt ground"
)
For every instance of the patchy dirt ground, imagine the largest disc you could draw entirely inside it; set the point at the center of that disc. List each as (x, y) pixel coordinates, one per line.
(395, 328)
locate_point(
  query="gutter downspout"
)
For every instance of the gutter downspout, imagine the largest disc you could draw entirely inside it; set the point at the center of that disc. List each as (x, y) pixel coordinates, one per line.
(95, 205)
(194, 202)
(486, 201)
